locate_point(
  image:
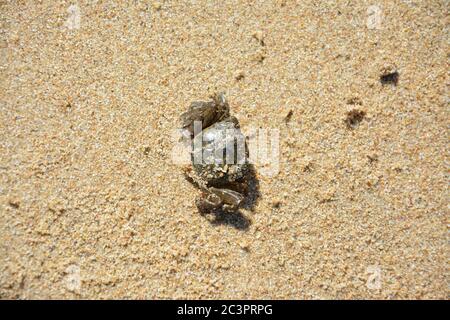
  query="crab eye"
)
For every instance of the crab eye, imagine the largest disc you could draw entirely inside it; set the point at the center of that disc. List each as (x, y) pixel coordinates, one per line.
(221, 97)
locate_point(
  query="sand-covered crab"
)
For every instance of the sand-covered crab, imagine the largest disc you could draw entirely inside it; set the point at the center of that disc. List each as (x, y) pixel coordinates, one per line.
(219, 155)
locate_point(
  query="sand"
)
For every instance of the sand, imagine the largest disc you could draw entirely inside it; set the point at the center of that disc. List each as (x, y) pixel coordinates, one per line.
(93, 207)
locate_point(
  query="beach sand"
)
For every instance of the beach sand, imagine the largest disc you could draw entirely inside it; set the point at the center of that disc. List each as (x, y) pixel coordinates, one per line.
(92, 205)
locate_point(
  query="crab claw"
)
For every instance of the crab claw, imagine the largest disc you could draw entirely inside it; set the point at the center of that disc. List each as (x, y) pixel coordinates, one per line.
(230, 198)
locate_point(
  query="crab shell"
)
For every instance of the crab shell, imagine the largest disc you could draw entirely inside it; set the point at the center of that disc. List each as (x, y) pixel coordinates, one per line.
(219, 153)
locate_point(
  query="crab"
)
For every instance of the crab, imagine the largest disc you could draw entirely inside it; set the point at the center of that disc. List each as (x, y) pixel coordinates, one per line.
(219, 155)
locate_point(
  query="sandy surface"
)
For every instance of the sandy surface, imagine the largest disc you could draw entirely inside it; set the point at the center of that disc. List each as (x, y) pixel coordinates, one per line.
(91, 205)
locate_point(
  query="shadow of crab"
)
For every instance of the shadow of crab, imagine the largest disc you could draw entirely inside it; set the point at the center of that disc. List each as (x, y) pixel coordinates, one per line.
(253, 194)
(235, 219)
